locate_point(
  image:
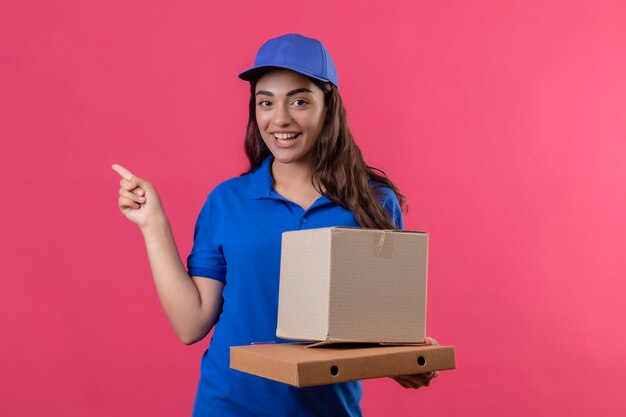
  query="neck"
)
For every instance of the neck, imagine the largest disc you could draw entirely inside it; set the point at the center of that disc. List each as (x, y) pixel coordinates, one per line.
(292, 174)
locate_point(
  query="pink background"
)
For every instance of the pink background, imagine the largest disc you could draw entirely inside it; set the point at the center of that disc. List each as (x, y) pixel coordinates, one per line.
(504, 122)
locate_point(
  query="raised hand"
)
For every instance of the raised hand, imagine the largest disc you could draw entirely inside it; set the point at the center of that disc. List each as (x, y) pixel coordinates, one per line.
(139, 200)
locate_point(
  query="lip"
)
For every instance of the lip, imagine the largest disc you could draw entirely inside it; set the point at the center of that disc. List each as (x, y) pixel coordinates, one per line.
(286, 145)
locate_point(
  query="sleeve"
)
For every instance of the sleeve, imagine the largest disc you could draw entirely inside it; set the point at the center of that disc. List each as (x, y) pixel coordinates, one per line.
(390, 202)
(207, 256)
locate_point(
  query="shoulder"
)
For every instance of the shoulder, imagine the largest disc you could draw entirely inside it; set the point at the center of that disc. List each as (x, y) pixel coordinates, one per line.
(231, 187)
(227, 193)
(389, 201)
(385, 194)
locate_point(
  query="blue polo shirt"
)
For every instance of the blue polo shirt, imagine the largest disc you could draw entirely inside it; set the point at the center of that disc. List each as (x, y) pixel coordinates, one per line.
(237, 240)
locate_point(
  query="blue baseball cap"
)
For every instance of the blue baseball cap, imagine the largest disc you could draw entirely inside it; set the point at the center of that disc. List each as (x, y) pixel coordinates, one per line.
(295, 52)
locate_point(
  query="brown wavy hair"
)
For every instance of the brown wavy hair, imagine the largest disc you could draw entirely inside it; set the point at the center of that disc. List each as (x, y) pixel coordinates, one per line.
(338, 164)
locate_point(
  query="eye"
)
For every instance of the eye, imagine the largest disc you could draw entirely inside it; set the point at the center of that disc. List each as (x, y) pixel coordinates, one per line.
(262, 103)
(301, 102)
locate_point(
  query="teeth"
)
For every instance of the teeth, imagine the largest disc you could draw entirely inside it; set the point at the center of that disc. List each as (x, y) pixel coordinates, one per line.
(285, 135)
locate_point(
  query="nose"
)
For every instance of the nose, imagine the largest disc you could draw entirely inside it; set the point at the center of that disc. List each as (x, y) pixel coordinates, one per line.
(282, 117)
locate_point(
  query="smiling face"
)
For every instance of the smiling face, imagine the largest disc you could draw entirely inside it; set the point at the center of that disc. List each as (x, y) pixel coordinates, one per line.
(290, 114)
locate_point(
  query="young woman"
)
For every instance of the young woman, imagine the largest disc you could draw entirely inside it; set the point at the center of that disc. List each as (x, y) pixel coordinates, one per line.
(305, 172)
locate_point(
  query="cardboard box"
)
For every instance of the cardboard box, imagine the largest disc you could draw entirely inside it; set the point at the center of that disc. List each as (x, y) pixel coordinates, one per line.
(341, 284)
(294, 364)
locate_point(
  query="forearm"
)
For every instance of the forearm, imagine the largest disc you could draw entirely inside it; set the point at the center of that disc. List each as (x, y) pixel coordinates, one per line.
(177, 292)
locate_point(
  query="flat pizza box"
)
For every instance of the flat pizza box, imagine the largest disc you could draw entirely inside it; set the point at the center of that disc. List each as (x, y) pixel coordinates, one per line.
(298, 365)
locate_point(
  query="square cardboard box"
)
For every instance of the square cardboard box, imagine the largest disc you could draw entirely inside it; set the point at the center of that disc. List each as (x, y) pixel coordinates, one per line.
(340, 284)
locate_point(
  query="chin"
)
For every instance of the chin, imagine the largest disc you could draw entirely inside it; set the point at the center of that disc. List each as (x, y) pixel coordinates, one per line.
(285, 160)
(287, 157)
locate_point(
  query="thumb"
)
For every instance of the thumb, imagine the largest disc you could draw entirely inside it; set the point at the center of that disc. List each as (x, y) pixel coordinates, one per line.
(431, 341)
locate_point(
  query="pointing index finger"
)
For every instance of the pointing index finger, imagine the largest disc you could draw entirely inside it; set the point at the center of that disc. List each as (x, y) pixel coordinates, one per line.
(126, 174)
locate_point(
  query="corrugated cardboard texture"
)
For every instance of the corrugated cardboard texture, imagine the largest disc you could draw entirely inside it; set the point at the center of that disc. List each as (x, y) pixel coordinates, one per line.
(352, 284)
(378, 286)
(303, 299)
(296, 365)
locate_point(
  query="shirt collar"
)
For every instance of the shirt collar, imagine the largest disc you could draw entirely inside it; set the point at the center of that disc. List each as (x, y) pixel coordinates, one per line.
(261, 185)
(261, 180)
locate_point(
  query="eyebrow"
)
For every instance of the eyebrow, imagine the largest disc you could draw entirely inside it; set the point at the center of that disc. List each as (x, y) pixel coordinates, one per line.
(291, 93)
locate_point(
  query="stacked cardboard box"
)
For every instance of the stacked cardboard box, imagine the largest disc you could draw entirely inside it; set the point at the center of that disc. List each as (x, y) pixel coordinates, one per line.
(349, 285)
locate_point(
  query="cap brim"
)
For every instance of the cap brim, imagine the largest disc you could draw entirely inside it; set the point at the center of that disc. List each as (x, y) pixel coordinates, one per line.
(254, 72)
